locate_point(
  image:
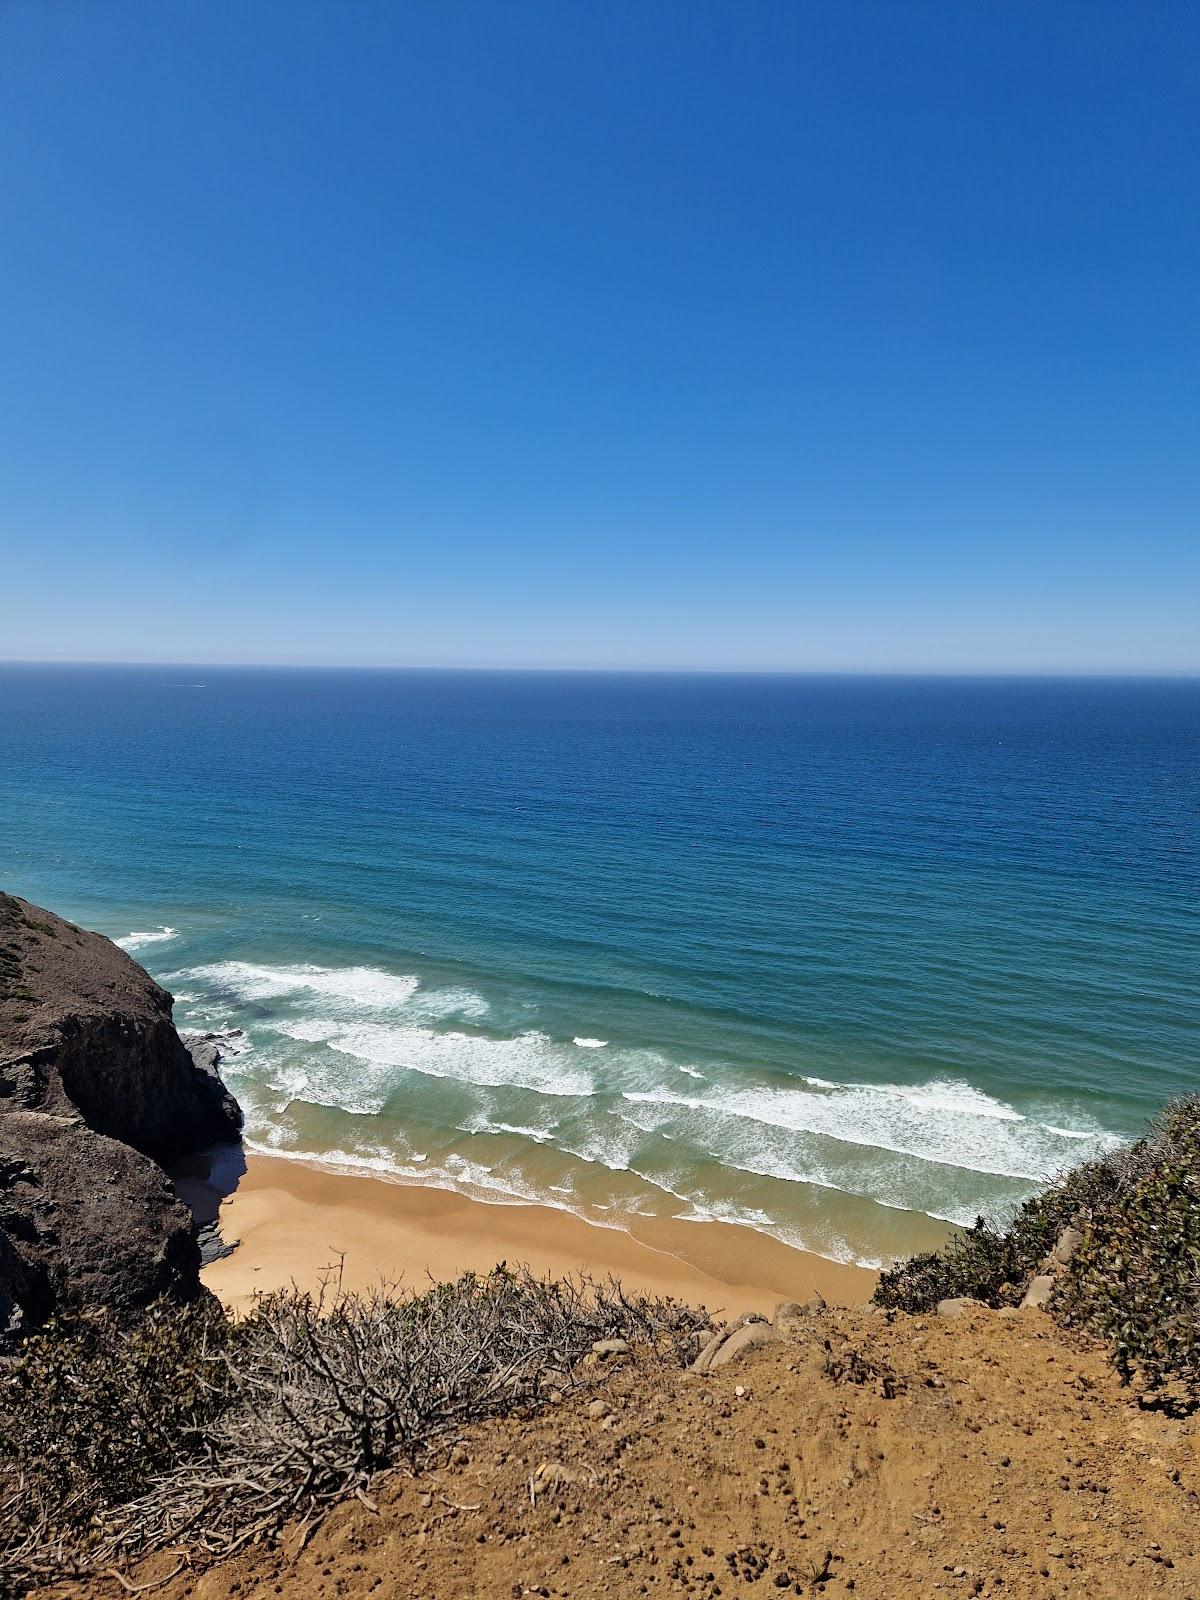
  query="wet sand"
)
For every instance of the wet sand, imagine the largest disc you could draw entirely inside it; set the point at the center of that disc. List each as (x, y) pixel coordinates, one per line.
(294, 1222)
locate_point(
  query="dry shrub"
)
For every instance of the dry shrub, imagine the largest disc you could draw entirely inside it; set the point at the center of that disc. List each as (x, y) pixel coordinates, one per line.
(296, 1407)
(90, 1411)
(848, 1365)
(1134, 1281)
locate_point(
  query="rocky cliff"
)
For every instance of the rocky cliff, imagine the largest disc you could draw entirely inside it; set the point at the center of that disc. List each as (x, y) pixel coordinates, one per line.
(96, 1090)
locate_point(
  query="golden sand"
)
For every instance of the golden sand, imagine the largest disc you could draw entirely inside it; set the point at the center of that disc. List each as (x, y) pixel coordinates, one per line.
(294, 1221)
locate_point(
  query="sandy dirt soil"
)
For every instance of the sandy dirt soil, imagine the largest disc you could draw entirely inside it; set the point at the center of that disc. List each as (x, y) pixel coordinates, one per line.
(981, 1455)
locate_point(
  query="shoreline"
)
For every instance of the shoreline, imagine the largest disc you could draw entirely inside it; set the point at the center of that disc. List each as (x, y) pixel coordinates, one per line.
(291, 1222)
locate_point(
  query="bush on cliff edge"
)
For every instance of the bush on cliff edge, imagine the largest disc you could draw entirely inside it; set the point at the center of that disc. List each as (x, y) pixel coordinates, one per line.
(91, 1410)
(1135, 1279)
(192, 1429)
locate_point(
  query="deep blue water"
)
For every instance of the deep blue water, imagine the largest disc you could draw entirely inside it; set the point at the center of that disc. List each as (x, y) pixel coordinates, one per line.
(859, 951)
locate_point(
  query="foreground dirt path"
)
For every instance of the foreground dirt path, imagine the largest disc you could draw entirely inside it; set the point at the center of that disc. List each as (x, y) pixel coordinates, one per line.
(1006, 1460)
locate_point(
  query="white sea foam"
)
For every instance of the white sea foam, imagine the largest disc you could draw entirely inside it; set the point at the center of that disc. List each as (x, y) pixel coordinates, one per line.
(528, 1061)
(609, 1146)
(357, 986)
(760, 1221)
(464, 1004)
(948, 1095)
(138, 941)
(455, 1174)
(659, 1097)
(484, 1125)
(365, 1028)
(343, 991)
(945, 1122)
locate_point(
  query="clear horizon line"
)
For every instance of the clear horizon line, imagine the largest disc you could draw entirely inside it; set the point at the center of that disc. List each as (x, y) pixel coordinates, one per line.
(660, 670)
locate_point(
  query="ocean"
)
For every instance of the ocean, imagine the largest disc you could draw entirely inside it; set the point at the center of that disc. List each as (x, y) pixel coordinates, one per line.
(839, 959)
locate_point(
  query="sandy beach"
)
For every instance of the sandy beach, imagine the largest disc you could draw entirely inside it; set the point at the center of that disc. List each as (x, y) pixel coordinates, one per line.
(293, 1221)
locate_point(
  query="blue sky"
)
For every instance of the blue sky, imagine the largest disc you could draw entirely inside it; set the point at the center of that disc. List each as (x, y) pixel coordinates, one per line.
(796, 335)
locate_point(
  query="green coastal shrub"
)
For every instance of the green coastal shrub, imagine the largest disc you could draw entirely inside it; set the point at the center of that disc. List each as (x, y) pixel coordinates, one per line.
(1135, 1279)
(977, 1264)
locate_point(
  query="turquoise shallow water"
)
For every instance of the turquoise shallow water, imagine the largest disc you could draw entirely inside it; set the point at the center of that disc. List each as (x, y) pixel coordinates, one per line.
(837, 958)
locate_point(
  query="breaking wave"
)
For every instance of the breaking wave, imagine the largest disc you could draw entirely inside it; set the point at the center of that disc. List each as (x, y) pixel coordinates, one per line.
(138, 941)
(354, 986)
(729, 1142)
(946, 1123)
(530, 1061)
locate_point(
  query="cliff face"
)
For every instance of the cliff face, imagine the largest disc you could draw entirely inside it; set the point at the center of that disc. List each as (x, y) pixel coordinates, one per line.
(89, 1221)
(96, 1089)
(84, 1030)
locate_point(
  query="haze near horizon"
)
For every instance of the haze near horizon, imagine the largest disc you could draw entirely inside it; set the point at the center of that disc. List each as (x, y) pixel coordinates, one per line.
(753, 337)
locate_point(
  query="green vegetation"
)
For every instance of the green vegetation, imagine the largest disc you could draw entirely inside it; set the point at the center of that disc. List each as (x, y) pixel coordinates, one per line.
(1135, 1278)
(11, 920)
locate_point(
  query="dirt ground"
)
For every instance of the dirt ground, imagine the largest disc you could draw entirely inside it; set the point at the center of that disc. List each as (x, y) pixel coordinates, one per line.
(868, 1456)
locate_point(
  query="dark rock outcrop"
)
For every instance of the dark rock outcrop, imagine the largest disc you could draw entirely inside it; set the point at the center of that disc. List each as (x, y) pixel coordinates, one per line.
(96, 1090)
(89, 1221)
(84, 1029)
